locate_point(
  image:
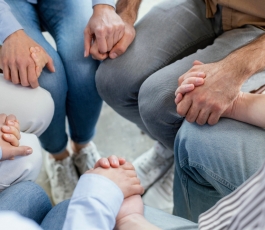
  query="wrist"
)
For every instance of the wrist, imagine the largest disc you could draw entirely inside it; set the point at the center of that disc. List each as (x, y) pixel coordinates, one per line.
(103, 7)
(128, 221)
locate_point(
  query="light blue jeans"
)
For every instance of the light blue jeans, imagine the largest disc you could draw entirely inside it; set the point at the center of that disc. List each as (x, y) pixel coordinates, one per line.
(72, 86)
(26, 198)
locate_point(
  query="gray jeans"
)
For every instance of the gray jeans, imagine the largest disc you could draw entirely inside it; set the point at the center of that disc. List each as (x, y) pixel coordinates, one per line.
(140, 86)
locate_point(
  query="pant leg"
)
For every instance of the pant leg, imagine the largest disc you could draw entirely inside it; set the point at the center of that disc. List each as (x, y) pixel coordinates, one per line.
(157, 93)
(56, 217)
(166, 221)
(163, 36)
(212, 161)
(33, 107)
(66, 21)
(26, 198)
(22, 168)
(54, 139)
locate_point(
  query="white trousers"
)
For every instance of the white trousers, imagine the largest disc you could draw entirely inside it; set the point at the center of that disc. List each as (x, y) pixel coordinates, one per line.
(34, 109)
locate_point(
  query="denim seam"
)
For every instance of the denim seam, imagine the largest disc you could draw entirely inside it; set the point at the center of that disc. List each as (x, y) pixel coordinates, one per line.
(214, 176)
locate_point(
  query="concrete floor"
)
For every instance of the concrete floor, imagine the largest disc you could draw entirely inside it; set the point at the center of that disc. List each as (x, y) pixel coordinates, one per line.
(115, 135)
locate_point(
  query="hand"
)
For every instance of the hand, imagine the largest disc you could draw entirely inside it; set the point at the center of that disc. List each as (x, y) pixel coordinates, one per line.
(193, 80)
(124, 177)
(131, 207)
(112, 161)
(9, 138)
(16, 61)
(40, 59)
(105, 27)
(208, 102)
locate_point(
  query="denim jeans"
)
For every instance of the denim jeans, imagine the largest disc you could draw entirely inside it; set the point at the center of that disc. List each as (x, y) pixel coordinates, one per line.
(26, 198)
(72, 86)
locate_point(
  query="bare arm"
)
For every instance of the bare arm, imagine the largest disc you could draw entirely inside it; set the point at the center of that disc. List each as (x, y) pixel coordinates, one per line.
(249, 108)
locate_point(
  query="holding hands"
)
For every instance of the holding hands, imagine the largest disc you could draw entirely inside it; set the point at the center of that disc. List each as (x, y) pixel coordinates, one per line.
(10, 136)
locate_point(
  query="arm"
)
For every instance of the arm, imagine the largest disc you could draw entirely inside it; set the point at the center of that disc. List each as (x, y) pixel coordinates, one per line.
(249, 108)
(222, 83)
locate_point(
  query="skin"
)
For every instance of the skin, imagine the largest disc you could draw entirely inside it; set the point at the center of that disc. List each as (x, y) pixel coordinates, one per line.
(222, 85)
(16, 62)
(246, 107)
(110, 33)
(9, 138)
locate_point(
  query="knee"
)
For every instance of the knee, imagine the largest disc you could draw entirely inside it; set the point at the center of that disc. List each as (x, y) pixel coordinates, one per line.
(22, 168)
(116, 83)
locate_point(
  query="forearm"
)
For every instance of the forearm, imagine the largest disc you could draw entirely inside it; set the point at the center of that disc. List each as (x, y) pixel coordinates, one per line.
(249, 108)
(135, 222)
(247, 60)
(128, 10)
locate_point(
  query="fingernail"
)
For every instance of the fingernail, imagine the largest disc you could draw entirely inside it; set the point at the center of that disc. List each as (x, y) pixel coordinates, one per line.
(29, 151)
(6, 127)
(7, 135)
(200, 74)
(105, 162)
(114, 55)
(11, 122)
(114, 161)
(85, 53)
(34, 55)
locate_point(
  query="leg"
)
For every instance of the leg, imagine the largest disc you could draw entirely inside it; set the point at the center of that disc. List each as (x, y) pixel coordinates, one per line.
(54, 139)
(212, 161)
(23, 168)
(56, 217)
(26, 198)
(33, 107)
(83, 103)
(162, 38)
(156, 96)
(166, 221)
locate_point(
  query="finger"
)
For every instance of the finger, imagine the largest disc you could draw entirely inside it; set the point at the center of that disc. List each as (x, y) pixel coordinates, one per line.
(192, 113)
(10, 138)
(202, 117)
(11, 120)
(178, 98)
(23, 76)
(101, 41)
(33, 49)
(110, 41)
(102, 162)
(95, 52)
(17, 151)
(184, 88)
(194, 75)
(183, 106)
(11, 130)
(214, 118)
(50, 65)
(14, 75)
(120, 47)
(128, 166)
(121, 160)
(137, 189)
(196, 62)
(87, 41)
(114, 161)
(7, 73)
(3, 118)
(131, 173)
(32, 76)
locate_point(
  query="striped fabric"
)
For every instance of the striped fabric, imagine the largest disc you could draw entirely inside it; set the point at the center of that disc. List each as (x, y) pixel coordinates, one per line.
(244, 209)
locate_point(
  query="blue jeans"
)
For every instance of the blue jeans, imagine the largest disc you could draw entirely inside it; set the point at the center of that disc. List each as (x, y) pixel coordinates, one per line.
(72, 86)
(26, 198)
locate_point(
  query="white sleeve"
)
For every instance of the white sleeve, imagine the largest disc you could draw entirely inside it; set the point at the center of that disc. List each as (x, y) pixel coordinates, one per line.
(10, 220)
(95, 204)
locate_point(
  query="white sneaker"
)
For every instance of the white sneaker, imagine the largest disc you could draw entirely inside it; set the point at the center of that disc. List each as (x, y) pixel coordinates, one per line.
(62, 176)
(160, 195)
(153, 164)
(86, 158)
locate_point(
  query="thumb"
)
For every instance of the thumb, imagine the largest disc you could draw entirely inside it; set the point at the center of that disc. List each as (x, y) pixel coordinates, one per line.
(50, 64)
(196, 62)
(119, 48)
(12, 151)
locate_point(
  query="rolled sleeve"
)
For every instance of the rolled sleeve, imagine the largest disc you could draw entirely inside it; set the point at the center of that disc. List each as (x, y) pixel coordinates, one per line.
(105, 2)
(8, 23)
